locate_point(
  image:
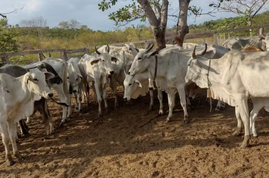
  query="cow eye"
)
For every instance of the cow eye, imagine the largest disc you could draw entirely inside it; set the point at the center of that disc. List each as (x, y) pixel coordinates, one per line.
(76, 79)
(35, 80)
(67, 78)
(130, 84)
(140, 58)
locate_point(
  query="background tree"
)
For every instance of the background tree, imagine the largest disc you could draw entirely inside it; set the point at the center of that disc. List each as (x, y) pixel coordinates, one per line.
(37, 23)
(182, 26)
(8, 42)
(248, 9)
(154, 10)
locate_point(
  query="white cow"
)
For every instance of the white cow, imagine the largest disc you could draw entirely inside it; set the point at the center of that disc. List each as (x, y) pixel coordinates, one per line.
(122, 59)
(240, 42)
(233, 79)
(168, 68)
(74, 79)
(138, 85)
(17, 97)
(60, 66)
(97, 69)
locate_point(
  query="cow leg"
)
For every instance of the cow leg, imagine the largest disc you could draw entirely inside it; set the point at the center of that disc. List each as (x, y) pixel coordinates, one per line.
(182, 95)
(98, 98)
(78, 103)
(160, 98)
(69, 109)
(113, 85)
(12, 134)
(253, 116)
(63, 98)
(151, 94)
(244, 114)
(47, 120)
(171, 104)
(24, 128)
(257, 106)
(238, 130)
(5, 140)
(104, 96)
(188, 101)
(220, 105)
(94, 91)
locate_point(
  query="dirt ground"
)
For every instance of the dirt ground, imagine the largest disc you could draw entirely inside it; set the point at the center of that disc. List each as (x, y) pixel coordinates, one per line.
(131, 143)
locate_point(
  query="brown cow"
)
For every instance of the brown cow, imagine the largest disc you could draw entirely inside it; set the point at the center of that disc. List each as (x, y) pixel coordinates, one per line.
(251, 49)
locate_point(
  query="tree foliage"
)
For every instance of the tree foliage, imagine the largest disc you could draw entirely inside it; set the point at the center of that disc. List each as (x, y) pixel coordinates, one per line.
(8, 34)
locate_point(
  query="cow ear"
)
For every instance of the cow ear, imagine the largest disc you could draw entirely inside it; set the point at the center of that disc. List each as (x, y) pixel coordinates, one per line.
(28, 77)
(49, 75)
(153, 53)
(95, 61)
(79, 74)
(138, 83)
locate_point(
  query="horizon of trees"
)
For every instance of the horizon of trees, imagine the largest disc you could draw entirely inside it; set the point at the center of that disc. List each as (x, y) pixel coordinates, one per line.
(30, 37)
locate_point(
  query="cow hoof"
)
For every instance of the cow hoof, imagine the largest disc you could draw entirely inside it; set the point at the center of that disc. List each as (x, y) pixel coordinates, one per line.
(10, 162)
(168, 120)
(244, 145)
(186, 121)
(217, 109)
(255, 135)
(237, 132)
(49, 137)
(20, 158)
(62, 122)
(27, 134)
(245, 142)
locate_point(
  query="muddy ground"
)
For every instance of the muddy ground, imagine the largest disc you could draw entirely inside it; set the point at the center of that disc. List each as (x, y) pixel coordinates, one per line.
(131, 143)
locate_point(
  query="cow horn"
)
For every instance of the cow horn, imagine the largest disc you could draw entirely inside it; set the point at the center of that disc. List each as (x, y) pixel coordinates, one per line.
(204, 49)
(97, 51)
(108, 48)
(193, 53)
(149, 48)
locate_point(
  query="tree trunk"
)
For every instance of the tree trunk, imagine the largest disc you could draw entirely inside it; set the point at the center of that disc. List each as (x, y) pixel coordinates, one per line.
(182, 26)
(158, 25)
(159, 36)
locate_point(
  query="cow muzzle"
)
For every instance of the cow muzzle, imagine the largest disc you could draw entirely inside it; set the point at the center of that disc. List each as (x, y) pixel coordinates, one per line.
(127, 101)
(48, 95)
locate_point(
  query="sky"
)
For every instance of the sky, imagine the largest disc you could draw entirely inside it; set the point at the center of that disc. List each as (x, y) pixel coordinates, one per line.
(86, 12)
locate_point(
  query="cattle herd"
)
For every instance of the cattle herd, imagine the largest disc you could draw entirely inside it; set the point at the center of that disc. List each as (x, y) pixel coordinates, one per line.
(232, 73)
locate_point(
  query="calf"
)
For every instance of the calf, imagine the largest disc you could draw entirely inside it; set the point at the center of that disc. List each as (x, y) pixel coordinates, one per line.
(60, 66)
(74, 78)
(97, 69)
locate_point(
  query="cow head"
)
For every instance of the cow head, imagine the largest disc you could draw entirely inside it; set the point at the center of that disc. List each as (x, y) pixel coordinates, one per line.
(141, 60)
(130, 85)
(36, 82)
(74, 77)
(195, 72)
(132, 48)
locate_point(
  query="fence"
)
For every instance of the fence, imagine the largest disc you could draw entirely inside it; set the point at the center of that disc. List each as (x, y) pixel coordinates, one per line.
(65, 53)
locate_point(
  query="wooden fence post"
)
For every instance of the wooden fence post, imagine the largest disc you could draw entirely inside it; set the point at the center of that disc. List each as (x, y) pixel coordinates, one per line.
(215, 38)
(86, 51)
(261, 32)
(64, 55)
(5, 59)
(41, 56)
